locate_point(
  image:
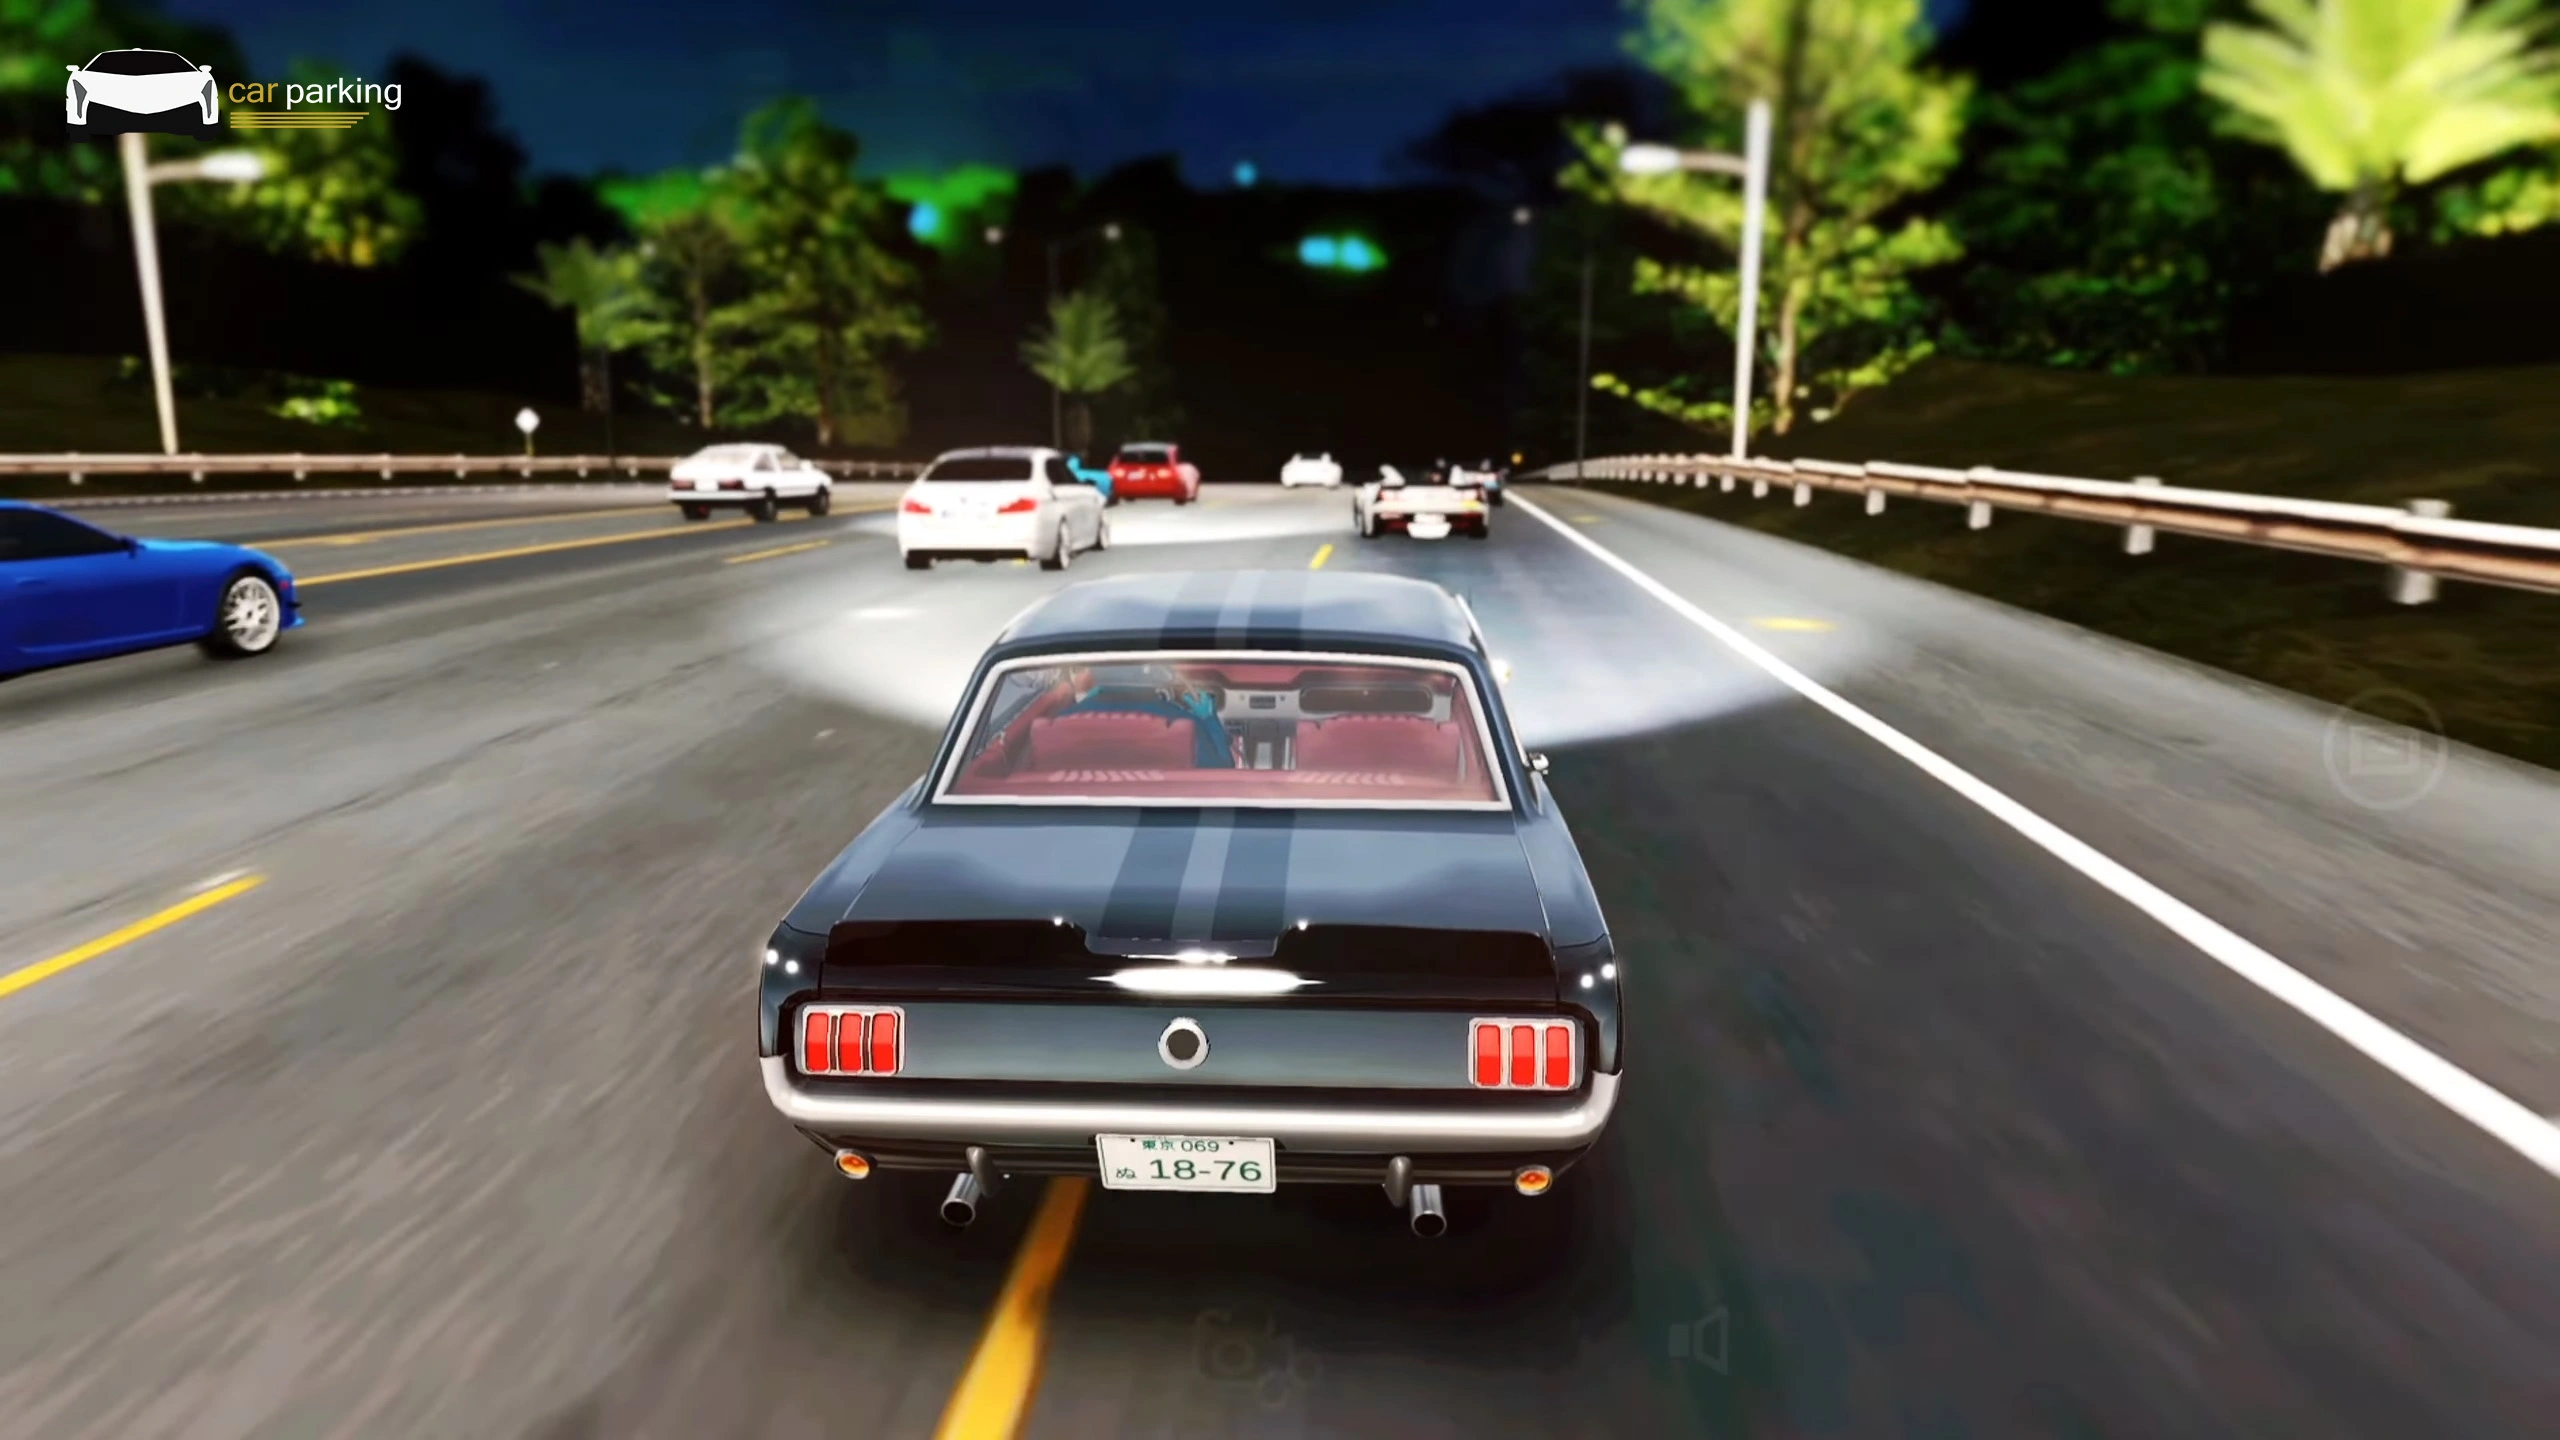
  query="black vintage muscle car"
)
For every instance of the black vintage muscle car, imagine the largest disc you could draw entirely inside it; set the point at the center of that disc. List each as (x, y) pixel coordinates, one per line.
(1218, 882)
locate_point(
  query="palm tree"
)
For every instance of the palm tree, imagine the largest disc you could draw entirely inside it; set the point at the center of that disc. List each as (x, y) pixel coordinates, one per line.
(2367, 94)
(1082, 353)
(601, 287)
(696, 251)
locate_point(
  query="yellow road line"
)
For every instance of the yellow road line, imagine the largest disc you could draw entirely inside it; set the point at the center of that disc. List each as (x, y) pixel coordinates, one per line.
(1790, 622)
(20, 979)
(995, 1392)
(1323, 553)
(778, 550)
(366, 537)
(307, 581)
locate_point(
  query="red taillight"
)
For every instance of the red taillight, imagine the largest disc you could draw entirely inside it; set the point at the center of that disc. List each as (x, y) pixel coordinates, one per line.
(818, 1042)
(680, 484)
(733, 484)
(1023, 506)
(849, 1040)
(916, 507)
(1522, 1054)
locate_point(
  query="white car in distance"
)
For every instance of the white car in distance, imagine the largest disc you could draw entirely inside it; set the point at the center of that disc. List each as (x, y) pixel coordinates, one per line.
(1318, 469)
(1014, 502)
(759, 479)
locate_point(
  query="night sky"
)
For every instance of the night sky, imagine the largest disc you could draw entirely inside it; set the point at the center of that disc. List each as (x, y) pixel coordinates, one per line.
(1308, 90)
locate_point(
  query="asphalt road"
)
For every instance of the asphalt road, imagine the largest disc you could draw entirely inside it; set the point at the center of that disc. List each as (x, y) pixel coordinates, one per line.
(448, 1127)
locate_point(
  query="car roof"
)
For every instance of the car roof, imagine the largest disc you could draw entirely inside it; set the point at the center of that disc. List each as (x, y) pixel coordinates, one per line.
(1245, 610)
(995, 452)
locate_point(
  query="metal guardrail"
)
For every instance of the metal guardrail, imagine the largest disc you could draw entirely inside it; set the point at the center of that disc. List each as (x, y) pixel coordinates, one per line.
(78, 467)
(2420, 544)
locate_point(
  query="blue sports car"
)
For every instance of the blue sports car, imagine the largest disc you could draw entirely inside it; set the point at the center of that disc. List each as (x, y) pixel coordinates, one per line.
(70, 591)
(1098, 479)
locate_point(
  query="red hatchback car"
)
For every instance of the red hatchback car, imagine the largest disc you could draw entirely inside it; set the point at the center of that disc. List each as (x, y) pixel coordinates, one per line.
(1145, 469)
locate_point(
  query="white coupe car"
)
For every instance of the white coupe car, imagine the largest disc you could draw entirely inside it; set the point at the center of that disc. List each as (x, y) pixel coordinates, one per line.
(759, 479)
(140, 82)
(1320, 469)
(1420, 501)
(1014, 502)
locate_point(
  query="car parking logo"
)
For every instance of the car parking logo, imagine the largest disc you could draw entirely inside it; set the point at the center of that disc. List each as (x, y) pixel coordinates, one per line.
(124, 92)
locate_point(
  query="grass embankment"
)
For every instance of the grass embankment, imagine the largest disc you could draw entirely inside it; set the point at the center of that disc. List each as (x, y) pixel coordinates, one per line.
(2487, 661)
(53, 403)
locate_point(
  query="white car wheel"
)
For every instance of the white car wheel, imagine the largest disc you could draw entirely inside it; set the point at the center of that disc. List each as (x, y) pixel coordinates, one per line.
(248, 619)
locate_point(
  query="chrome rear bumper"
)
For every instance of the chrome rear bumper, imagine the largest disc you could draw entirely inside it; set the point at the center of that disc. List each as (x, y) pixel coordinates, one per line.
(1569, 1122)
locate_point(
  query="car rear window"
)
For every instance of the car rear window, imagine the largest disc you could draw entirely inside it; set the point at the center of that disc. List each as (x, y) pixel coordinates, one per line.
(1252, 729)
(981, 467)
(1146, 454)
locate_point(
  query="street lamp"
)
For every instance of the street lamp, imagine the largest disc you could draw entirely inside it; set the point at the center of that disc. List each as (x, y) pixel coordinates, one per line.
(1752, 166)
(238, 167)
(1057, 398)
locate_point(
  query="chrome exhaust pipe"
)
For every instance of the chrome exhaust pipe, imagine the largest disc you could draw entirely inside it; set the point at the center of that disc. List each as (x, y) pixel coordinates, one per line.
(1399, 1181)
(1429, 1220)
(961, 1205)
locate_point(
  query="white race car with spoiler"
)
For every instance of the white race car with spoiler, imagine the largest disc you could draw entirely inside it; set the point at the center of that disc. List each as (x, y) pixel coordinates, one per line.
(1420, 501)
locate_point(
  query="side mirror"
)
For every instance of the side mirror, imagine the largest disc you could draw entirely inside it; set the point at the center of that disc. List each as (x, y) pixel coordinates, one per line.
(206, 69)
(74, 69)
(1538, 761)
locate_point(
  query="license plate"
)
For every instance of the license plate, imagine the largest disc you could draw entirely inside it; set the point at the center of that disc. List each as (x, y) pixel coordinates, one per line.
(1186, 1162)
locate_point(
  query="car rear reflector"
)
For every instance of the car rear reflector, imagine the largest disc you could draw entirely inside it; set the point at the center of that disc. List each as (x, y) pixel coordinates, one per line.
(1523, 1054)
(851, 1040)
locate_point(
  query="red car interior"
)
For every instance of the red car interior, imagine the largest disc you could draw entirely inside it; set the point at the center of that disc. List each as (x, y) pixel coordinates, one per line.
(1101, 753)
(1407, 744)
(1109, 740)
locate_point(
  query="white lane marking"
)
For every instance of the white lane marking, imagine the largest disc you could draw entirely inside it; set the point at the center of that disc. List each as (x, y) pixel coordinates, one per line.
(2459, 1091)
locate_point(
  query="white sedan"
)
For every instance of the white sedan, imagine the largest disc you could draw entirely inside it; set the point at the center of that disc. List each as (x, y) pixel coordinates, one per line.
(139, 82)
(759, 479)
(1001, 503)
(1320, 469)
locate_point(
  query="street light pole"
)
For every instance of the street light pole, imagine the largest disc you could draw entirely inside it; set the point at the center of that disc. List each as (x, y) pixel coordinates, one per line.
(146, 263)
(1755, 204)
(236, 166)
(1752, 168)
